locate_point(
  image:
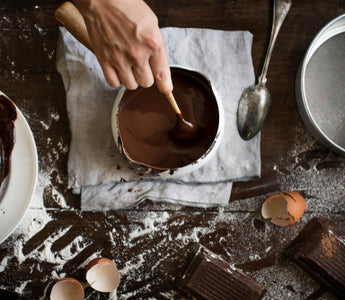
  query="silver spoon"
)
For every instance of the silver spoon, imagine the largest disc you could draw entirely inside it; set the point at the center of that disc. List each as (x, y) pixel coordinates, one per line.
(255, 102)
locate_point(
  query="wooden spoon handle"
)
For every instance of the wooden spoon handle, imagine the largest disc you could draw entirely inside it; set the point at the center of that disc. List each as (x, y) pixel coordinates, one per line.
(174, 104)
(70, 17)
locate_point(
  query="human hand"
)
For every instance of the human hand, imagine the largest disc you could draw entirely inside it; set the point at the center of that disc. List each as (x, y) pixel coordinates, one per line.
(127, 42)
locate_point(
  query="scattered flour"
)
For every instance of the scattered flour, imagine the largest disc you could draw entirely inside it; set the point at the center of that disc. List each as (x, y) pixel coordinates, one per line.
(133, 265)
(59, 198)
(3, 264)
(317, 173)
(55, 116)
(169, 295)
(40, 30)
(150, 224)
(45, 125)
(37, 217)
(44, 296)
(20, 288)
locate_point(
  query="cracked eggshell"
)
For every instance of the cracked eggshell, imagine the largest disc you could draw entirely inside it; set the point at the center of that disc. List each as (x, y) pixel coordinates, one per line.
(283, 209)
(67, 289)
(102, 275)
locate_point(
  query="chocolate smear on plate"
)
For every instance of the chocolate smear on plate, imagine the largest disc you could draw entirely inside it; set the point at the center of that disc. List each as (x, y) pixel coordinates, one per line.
(8, 114)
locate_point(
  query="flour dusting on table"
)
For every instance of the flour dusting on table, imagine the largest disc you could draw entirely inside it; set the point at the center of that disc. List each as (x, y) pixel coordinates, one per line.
(318, 174)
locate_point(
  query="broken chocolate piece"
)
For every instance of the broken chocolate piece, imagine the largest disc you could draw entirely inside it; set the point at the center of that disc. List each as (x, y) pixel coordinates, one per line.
(210, 277)
(320, 250)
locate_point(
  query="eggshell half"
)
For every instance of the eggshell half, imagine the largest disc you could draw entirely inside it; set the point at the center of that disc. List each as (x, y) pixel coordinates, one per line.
(102, 275)
(283, 209)
(67, 289)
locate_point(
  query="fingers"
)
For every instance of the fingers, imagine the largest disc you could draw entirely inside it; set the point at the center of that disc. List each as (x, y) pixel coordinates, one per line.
(137, 68)
(143, 75)
(156, 69)
(134, 69)
(132, 77)
(161, 71)
(111, 75)
(140, 67)
(127, 77)
(117, 76)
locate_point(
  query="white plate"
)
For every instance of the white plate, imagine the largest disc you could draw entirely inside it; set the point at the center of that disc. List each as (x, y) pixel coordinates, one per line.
(19, 185)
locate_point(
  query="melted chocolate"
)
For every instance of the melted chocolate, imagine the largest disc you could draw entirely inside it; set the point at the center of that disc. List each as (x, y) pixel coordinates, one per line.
(185, 131)
(8, 115)
(146, 120)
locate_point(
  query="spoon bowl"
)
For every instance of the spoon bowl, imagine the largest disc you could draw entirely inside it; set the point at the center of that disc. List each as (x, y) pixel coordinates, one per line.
(255, 102)
(185, 131)
(253, 108)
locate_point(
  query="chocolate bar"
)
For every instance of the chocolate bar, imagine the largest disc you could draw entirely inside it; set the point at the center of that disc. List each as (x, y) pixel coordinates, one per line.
(320, 250)
(210, 277)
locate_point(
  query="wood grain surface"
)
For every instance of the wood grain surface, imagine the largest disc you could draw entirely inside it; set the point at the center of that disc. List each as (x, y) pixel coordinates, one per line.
(151, 243)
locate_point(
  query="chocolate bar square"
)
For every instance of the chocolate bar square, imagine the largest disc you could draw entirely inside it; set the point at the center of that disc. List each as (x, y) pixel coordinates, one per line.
(210, 277)
(320, 250)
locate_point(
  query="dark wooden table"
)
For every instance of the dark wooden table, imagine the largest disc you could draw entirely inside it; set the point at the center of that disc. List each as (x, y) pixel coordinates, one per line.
(150, 243)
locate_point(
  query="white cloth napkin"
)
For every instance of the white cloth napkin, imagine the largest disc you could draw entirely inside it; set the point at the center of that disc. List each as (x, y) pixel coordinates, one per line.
(95, 167)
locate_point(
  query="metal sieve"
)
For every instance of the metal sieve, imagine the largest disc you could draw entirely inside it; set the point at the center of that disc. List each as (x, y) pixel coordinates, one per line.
(320, 86)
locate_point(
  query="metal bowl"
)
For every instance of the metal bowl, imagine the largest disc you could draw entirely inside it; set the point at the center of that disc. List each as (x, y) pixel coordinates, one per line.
(320, 86)
(148, 170)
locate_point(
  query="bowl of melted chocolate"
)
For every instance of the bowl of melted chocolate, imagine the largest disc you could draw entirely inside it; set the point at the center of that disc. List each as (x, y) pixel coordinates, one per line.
(143, 119)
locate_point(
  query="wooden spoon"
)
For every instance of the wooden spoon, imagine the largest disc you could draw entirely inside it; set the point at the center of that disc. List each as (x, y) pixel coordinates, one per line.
(183, 131)
(70, 17)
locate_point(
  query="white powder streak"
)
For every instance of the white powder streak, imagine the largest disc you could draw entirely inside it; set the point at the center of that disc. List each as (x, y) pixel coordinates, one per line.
(20, 289)
(58, 198)
(113, 295)
(130, 265)
(152, 223)
(3, 264)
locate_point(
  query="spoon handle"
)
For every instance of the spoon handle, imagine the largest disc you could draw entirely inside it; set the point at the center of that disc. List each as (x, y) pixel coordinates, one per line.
(173, 103)
(70, 17)
(281, 9)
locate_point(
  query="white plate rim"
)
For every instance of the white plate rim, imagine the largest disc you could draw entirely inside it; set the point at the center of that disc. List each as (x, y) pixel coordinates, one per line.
(21, 181)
